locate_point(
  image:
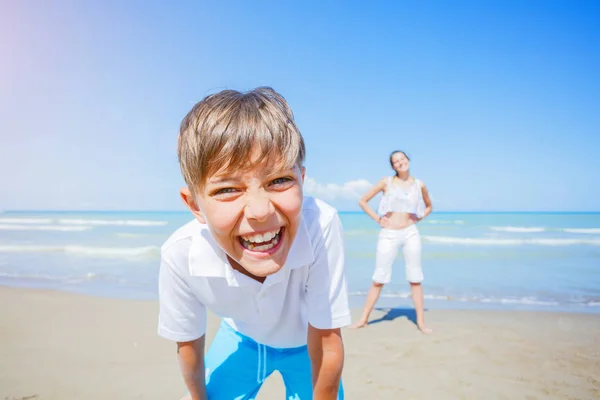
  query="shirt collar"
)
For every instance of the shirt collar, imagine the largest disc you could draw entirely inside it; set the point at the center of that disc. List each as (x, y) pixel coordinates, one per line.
(207, 259)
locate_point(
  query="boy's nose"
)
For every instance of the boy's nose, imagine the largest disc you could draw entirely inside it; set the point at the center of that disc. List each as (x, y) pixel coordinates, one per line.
(259, 206)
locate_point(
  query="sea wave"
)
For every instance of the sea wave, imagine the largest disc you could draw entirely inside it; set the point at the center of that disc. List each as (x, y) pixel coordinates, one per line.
(522, 229)
(11, 227)
(582, 230)
(89, 251)
(527, 300)
(509, 242)
(89, 276)
(361, 232)
(118, 222)
(25, 220)
(536, 229)
(403, 295)
(443, 221)
(129, 235)
(114, 251)
(531, 301)
(78, 221)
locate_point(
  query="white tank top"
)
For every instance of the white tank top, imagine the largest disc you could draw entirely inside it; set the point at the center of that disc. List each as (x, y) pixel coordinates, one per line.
(399, 199)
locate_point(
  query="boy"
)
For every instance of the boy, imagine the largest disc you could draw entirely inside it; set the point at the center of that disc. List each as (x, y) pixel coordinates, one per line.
(258, 254)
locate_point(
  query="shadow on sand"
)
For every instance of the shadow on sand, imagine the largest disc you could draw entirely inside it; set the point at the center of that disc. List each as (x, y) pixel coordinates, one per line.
(393, 313)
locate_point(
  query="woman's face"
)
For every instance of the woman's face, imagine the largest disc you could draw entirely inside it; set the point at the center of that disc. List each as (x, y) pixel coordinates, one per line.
(400, 162)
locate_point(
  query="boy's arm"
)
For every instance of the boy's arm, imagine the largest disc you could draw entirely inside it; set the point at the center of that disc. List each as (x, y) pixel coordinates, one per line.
(191, 363)
(182, 319)
(328, 310)
(326, 351)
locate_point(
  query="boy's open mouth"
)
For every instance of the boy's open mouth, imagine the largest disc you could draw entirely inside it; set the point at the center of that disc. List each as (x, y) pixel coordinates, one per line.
(261, 242)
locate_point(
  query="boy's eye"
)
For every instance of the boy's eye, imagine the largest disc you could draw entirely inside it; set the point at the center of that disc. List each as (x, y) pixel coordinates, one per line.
(225, 191)
(280, 181)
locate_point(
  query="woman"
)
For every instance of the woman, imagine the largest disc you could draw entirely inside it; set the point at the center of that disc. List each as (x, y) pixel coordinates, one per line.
(400, 209)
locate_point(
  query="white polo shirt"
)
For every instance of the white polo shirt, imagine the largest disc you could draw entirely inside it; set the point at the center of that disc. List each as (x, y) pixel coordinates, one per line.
(309, 289)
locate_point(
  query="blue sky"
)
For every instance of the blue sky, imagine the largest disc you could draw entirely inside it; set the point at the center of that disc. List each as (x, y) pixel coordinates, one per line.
(496, 102)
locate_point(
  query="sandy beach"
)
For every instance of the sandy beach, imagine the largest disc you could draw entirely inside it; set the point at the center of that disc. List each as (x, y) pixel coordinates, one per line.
(65, 346)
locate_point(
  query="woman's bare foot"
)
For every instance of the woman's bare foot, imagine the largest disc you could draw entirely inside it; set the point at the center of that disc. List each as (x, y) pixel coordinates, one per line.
(359, 324)
(424, 330)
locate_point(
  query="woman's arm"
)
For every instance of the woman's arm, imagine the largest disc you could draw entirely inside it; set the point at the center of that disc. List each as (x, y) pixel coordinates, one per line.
(427, 200)
(364, 201)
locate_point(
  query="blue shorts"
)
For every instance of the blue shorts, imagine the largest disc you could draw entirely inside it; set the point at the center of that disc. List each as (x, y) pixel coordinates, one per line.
(237, 366)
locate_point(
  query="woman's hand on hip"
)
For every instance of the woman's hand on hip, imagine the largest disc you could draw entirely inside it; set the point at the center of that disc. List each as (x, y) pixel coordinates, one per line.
(384, 222)
(414, 218)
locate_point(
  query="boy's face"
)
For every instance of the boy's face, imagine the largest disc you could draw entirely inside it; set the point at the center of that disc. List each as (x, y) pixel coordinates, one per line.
(253, 215)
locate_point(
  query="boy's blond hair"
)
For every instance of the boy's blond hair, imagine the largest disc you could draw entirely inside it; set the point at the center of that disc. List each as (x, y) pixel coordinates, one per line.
(222, 131)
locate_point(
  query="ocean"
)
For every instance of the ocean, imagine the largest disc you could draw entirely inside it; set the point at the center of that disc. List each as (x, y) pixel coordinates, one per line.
(528, 261)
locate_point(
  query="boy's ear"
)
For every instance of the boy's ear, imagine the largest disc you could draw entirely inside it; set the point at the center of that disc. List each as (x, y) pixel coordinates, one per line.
(303, 173)
(188, 199)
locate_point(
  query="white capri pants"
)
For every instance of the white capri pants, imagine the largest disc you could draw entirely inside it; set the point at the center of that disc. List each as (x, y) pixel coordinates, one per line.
(390, 241)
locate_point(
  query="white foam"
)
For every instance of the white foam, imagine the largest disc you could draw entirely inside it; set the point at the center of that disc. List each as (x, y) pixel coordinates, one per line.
(29, 249)
(524, 300)
(582, 230)
(532, 301)
(11, 227)
(30, 276)
(566, 242)
(89, 251)
(129, 235)
(522, 229)
(87, 277)
(75, 221)
(118, 222)
(471, 241)
(41, 277)
(510, 242)
(443, 221)
(360, 232)
(113, 251)
(25, 221)
(404, 295)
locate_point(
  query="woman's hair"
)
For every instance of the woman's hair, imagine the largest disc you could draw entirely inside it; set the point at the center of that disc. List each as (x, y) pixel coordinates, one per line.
(395, 152)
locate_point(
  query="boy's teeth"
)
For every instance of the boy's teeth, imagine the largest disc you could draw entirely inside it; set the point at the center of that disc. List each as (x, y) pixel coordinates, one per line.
(264, 247)
(258, 238)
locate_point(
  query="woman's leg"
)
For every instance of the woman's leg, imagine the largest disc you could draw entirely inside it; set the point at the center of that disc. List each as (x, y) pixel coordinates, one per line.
(417, 296)
(414, 275)
(387, 249)
(372, 298)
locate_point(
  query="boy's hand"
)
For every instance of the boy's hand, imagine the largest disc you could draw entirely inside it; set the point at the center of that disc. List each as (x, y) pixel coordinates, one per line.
(326, 351)
(191, 362)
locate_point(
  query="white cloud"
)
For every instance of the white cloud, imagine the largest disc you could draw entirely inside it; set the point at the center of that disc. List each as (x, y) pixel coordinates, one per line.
(351, 190)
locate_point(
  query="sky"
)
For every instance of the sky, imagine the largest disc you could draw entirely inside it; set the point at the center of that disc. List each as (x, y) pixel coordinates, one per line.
(497, 103)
